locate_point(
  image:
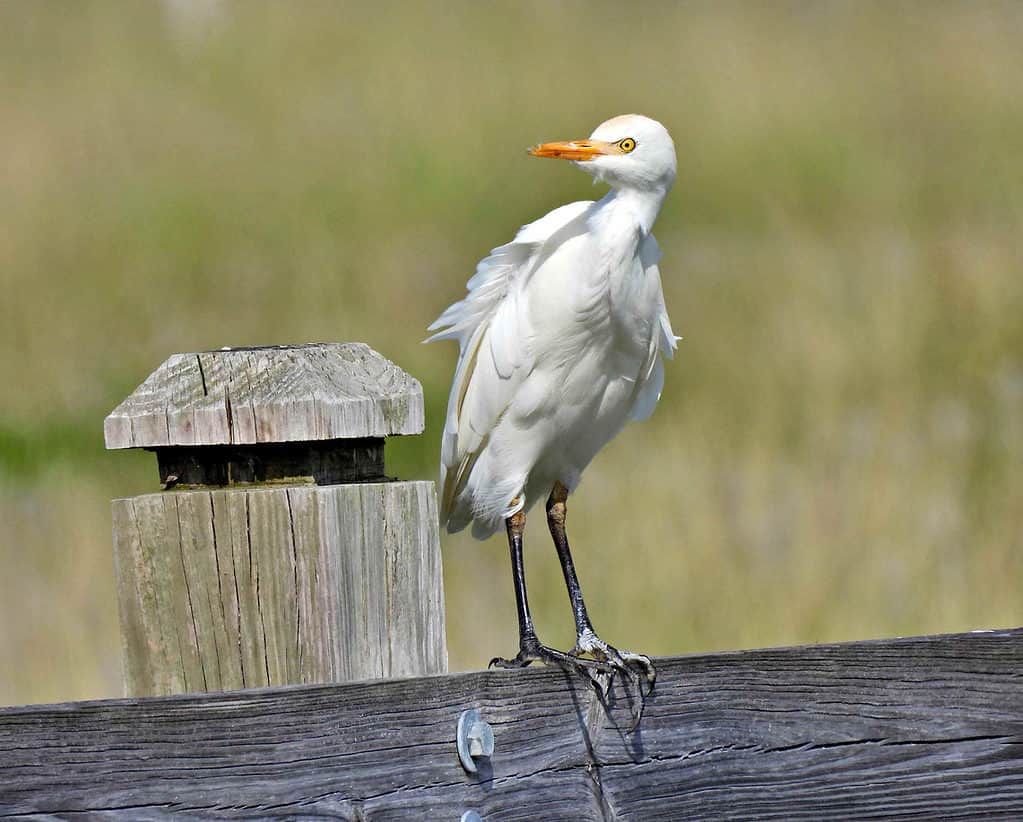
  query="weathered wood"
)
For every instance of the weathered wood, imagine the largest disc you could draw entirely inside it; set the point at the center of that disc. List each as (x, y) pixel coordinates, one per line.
(244, 573)
(909, 728)
(239, 588)
(323, 462)
(324, 391)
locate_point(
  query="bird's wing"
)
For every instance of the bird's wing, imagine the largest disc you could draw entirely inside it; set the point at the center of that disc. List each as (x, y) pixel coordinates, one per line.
(663, 342)
(492, 327)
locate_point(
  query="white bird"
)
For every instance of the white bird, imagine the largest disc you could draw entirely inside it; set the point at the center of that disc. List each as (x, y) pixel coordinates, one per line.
(561, 339)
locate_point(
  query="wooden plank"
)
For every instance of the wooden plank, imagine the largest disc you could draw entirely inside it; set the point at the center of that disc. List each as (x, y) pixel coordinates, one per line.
(415, 623)
(323, 391)
(235, 588)
(231, 519)
(907, 728)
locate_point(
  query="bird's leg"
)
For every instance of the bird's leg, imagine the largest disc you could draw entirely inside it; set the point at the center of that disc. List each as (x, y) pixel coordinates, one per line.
(527, 633)
(587, 641)
(530, 649)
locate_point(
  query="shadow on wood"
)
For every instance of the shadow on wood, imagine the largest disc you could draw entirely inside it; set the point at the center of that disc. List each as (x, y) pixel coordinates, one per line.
(896, 728)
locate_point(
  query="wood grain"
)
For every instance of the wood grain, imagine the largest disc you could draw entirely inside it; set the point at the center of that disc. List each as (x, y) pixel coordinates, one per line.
(240, 588)
(909, 728)
(320, 391)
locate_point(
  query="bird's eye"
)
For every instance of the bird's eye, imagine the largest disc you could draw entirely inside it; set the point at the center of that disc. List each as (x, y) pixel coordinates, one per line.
(627, 145)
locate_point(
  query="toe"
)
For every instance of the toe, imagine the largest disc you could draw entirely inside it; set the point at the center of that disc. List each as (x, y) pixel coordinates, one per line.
(516, 662)
(641, 672)
(642, 663)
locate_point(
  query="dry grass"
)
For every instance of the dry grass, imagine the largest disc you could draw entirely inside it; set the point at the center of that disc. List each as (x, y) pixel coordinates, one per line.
(838, 452)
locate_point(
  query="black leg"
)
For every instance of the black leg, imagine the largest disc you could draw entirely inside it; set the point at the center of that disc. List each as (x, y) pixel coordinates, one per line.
(515, 526)
(530, 649)
(556, 512)
(587, 641)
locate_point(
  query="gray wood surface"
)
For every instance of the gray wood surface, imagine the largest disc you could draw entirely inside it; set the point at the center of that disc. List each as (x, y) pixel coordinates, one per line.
(915, 728)
(240, 588)
(319, 391)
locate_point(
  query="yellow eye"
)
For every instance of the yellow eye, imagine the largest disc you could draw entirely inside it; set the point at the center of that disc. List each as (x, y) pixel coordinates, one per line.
(627, 145)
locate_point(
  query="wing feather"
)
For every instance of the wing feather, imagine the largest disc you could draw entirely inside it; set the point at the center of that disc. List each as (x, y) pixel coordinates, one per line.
(492, 327)
(663, 343)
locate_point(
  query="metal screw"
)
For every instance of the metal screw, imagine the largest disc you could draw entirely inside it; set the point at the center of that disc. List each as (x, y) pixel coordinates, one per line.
(475, 739)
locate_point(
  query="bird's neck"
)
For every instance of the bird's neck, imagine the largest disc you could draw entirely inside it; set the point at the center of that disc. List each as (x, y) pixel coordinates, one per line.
(641, 206)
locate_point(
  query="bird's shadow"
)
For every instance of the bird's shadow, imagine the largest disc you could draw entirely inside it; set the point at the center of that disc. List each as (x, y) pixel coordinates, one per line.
(599, 715)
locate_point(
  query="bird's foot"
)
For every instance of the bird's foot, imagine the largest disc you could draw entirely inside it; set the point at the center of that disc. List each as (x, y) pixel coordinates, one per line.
(629, 664)
(530, 650)
(634, 669)
(595, 661)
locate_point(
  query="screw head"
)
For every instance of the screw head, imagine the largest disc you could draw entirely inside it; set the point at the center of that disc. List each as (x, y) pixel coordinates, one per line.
(474, 739)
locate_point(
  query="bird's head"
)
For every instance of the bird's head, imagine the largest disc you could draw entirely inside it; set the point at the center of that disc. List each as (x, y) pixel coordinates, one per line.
(630, 151)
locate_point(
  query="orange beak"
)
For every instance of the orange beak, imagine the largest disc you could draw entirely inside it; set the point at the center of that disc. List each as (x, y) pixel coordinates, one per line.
(578, 150)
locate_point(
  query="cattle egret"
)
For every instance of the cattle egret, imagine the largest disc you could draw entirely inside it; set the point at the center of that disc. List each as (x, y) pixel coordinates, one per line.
(561, 338)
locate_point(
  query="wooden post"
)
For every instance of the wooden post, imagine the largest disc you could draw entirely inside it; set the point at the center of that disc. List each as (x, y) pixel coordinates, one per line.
(279, 552)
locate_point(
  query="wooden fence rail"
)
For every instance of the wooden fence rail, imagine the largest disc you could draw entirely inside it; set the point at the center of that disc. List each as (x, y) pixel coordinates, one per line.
(919, 727)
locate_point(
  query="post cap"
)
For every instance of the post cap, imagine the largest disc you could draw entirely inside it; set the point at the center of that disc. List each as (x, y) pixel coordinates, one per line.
(286, 393)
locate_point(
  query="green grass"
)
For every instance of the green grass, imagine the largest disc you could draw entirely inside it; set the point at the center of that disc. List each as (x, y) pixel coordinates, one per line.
(838, 450)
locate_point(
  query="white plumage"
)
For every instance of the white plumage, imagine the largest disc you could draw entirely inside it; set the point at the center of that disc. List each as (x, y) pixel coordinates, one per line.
(561, 335)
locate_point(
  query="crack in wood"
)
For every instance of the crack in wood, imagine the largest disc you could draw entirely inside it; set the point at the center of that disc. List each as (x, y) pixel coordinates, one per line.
(295, 675)
(113, 809)
(257, 434)
(259, 606)
(202, 375)
(220, 592)
(390, 557)
(229, 413)
(188, 593)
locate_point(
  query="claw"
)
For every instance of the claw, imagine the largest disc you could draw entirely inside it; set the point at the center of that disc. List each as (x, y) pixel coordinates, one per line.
(627, 663)
(599, 668)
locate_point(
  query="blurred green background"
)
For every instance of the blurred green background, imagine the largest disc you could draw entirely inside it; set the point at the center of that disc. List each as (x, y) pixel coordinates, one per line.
(839, 447)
